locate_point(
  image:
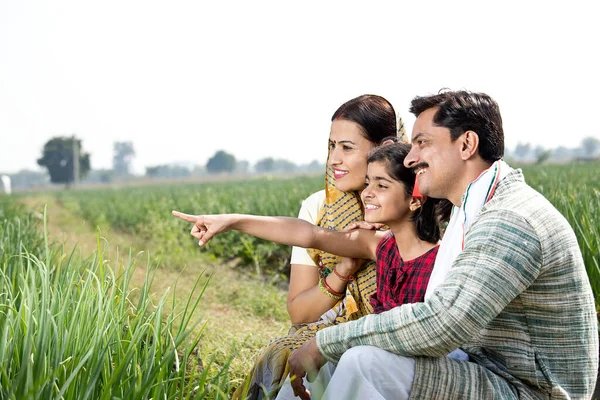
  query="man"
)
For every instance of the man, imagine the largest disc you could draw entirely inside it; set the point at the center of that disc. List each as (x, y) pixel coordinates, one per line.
(509, 286)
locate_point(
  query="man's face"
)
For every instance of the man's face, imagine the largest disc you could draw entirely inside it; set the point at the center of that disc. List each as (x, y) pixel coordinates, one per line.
(435, 158)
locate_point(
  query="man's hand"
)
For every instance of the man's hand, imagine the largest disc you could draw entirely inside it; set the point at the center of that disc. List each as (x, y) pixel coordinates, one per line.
(306, 361)
(207, 226)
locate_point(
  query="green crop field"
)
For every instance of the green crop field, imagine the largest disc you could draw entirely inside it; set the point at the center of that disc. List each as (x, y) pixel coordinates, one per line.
(81, 324)
(146, 212)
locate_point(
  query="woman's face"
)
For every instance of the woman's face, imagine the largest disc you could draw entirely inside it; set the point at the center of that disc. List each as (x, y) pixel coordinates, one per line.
(348, 149)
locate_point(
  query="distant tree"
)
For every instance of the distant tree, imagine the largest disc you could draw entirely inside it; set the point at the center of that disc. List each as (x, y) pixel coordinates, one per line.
(265, 165)
(167, 171)
(27, 179)
(543, 156)
(537, 151)
(242, 167)
(590, 146)
(123, 154)
(281, 165)
(57, 157)
(221, 162)
(314, 166)
(522, 150)
(198, 170)
(562, 153)
(100, 176)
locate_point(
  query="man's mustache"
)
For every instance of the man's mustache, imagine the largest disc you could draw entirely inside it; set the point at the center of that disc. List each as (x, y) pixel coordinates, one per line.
(419, 166)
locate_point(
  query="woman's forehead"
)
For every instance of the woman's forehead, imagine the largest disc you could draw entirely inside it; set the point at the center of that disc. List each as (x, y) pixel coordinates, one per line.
(342, 129)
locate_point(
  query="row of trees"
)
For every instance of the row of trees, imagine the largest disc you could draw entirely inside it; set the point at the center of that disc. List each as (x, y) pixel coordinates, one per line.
(67, 163)
(588, 149)
(223, 162)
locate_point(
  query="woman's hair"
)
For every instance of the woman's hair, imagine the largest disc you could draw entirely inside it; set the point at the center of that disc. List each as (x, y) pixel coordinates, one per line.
(373, 113)
(427, 218)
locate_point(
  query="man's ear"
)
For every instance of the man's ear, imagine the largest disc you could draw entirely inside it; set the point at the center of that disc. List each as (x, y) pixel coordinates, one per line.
(469, 144)
(415, 204)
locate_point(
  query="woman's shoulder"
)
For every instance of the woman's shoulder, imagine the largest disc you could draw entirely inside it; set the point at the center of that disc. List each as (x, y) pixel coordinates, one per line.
(309, 210)
(317, 199)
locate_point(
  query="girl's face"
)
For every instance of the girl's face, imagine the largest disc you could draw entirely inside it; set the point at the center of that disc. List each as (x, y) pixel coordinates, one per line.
(384, 198)
(348, 150)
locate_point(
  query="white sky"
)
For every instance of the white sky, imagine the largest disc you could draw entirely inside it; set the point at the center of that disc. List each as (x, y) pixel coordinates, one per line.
(183, 79)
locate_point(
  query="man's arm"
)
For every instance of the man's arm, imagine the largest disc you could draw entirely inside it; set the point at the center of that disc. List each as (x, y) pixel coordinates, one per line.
(500, 260)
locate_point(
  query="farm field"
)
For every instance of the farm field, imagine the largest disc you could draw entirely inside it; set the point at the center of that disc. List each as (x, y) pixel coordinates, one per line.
(83, 271)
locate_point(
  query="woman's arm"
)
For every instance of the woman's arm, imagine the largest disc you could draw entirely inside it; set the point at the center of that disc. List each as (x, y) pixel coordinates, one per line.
(306, 302)
(359, 243)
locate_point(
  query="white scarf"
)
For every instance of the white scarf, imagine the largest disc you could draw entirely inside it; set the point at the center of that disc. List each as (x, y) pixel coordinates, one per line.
(479, 192)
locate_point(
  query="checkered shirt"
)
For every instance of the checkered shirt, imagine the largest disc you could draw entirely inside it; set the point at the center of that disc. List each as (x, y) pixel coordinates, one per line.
(398, 281)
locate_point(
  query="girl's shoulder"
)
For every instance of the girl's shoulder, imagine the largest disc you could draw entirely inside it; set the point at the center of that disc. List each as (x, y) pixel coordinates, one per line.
(387, 240)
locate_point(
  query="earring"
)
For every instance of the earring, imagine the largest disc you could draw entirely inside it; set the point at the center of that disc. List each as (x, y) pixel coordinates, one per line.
(416, 194)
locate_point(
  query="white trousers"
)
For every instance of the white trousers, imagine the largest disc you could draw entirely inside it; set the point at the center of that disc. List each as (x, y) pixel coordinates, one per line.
(364, 372)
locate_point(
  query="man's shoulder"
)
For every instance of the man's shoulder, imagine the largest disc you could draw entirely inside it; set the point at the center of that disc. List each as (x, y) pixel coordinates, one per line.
(515, 199)
(515, 195)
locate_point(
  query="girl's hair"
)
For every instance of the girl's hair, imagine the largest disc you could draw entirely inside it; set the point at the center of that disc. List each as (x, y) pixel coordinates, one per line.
(428, 217)
(373, 113)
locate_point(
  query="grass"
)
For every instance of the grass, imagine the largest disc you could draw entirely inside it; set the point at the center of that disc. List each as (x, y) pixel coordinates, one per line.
(239, 309)
(575, 191)
(71, 329)
(237, 319)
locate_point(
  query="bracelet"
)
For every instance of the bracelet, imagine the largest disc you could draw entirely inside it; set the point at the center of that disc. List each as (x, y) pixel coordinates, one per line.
(328, 291)
(343, 278)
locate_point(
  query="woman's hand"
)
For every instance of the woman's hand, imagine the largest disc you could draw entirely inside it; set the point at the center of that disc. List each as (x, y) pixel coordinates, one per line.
(348, 266)
(207, 226)
(364, 225)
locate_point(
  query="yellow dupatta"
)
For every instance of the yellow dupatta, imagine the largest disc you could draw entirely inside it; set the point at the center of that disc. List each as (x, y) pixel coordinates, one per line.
(339, 210)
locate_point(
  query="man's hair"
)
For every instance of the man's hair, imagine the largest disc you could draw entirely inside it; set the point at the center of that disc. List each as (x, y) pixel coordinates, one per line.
(461, 111)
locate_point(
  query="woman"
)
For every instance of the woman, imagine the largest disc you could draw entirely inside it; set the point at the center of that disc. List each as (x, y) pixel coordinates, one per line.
(405, 254)
(357, 127)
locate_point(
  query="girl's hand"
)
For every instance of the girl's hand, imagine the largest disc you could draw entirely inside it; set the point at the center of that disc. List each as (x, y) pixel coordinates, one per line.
(206, 226)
